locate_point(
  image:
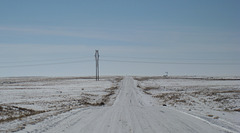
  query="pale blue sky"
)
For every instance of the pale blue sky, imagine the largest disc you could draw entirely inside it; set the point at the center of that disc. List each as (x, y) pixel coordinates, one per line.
(59, 37)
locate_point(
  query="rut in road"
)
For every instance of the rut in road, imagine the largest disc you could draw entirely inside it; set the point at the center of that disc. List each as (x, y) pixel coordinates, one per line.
(132, 113)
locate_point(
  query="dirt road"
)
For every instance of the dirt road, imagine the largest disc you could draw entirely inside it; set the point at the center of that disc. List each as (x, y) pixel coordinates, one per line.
(132, 112)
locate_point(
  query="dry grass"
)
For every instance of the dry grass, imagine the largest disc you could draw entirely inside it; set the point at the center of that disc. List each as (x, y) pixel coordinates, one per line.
(118, 79)
(223, 99)
(171, 97)
(151, 88)
(210, 115)
(9, 112)
(13, 112)
(238, 110)
(87, 98)
(146, 92)
(147, 78)
(111, 91)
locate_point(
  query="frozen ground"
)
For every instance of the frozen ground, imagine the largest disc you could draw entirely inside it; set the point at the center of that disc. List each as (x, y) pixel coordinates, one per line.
(29, 100)
(147, 104)
(215, 99)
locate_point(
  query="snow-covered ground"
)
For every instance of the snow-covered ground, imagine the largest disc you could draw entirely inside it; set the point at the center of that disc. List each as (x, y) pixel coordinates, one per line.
(146, 104)
(215, 99)
(29, 100)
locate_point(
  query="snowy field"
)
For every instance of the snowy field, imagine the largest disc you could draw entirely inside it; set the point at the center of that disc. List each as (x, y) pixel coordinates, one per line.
(215, 99)
(29, 100)
(146, 104)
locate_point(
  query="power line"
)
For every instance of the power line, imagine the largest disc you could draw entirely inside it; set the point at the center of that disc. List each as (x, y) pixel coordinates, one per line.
(122, 61)
(181, 63)
(45, 64)
(157, 58)
(106, 57)
(46, 60)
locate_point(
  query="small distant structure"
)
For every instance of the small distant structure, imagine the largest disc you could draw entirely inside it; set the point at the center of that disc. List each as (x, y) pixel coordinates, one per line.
(166, 75)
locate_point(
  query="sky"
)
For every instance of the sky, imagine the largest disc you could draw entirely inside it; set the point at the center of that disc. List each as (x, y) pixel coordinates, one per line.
(134, 37)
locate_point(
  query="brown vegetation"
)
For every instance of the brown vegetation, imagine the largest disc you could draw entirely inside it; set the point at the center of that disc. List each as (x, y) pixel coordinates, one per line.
(13, 112)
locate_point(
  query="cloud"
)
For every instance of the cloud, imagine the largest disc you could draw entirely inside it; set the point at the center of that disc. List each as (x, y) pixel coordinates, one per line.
(57, 32)
(130, 35)
(88, 33)
(164, 40)
(74, 48)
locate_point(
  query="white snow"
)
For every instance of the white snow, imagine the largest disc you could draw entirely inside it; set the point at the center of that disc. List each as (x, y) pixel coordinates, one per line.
(49, 95)
(136, 108)
(211, 99)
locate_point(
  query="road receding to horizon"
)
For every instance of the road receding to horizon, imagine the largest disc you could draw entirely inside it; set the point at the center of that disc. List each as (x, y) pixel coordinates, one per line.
(132, 112)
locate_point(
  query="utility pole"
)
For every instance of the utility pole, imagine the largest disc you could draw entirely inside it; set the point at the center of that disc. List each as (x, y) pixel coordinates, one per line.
(97, 64)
